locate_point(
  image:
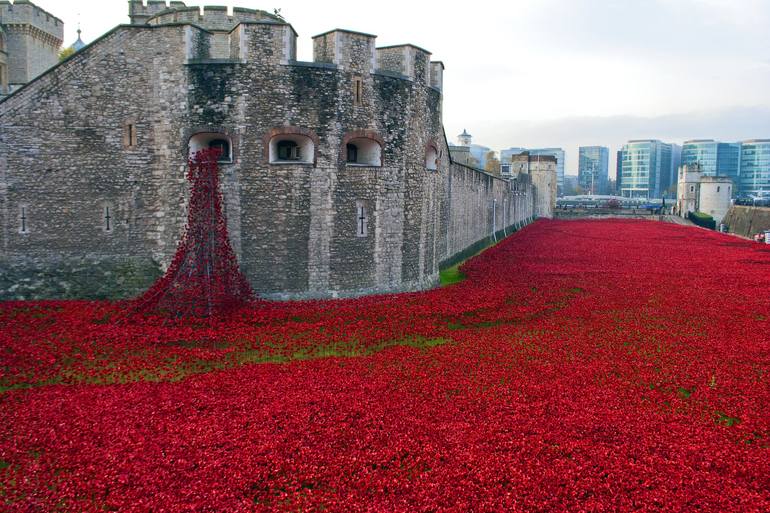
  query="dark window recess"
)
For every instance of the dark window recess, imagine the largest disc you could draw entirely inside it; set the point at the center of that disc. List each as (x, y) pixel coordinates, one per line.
(129, 135)
(223, 145)
(107, 220)
(358, 90)
(288, 150)
(23, 220)
(352, 153)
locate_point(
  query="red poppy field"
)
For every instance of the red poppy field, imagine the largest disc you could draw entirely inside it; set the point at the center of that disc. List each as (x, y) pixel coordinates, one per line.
(581, 366)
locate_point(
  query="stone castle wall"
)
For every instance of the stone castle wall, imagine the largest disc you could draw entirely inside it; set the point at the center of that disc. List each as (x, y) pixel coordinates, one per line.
(479, 205)
(747, 221)
(67, 164)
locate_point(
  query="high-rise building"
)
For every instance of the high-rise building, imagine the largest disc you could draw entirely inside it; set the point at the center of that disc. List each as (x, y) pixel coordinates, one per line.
(593, 169)
(676, 161)
(648, 168)
(505, 155)
(754, 174)
(714, 158)
(619, 172)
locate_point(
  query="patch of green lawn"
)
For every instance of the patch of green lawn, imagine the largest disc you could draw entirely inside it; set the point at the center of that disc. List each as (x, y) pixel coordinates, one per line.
(451, 275)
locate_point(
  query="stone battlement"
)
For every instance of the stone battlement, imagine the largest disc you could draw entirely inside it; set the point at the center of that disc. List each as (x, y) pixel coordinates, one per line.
(209, 17)
(215, 34)
(357, 52)
(23, 12)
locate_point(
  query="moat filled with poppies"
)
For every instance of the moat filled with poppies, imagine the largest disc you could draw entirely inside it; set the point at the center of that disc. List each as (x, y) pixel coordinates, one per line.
(581, 365)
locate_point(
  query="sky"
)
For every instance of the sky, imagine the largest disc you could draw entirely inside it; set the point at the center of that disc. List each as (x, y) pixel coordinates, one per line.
(545, 73)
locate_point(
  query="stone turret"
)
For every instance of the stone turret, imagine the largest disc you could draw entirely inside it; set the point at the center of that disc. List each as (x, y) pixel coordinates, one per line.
(349, 50)
(408, 60)
(437, 75)
(32, 41)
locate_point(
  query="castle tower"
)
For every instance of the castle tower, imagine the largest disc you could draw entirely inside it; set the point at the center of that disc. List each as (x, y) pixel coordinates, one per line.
(33, 38)
(464, 139)
(688, 188)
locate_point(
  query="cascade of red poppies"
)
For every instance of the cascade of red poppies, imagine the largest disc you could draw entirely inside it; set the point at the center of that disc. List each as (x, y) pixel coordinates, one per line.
(203, 278)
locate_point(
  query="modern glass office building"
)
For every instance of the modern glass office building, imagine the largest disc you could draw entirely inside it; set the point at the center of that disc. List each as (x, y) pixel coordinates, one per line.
(702, 152)
(715, 158)
(593, 169)
(755, 168)
(505, 155)
(647, 169)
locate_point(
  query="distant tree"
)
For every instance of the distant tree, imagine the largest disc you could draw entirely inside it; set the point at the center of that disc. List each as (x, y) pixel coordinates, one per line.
(493, 163)
(66, 53)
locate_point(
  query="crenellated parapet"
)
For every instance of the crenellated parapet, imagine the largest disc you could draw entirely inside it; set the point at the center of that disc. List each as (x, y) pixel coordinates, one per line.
(215, 34)
(357, 52)
(269, 42)
(214, 17)
(437, 75)
(24, 13)
(349, 50)
(408, 60)
(140, 11)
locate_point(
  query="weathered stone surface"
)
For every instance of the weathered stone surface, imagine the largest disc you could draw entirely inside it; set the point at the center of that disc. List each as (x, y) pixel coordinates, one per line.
(66, 161)
(747, 221)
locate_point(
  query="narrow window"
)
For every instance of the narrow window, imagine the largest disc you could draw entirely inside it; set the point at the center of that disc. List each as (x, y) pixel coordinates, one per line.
(431, 159)
(692, 188)
(129, 135)
(717, 188)
(23, 227)
(361, 220)
(358, 91)
(352, 153)
(288, 150)
(107, 219)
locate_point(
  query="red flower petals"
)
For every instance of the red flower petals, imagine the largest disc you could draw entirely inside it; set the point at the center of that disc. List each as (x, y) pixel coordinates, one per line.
(582, 366)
